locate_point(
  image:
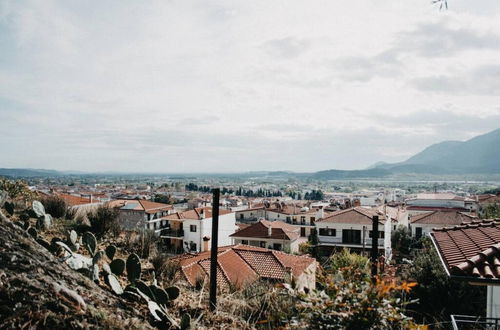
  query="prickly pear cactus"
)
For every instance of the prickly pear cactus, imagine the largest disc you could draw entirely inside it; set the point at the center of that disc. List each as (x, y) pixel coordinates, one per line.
(90, 242)
(117, 266)
(9, 207)
(114, 284)
(38, 209)
(110, 252)
(133, 266)
(185, 321)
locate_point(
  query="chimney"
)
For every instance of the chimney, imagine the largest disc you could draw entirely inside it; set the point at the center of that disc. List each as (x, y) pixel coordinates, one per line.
(321, 213)
(269, 230)
(202, 213)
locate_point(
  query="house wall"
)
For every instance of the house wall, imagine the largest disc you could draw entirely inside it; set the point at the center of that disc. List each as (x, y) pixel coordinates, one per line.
(307, 279)
(250, 215)
(286, 245)
(493, 301)
(337, 239)
(227, 226)
(295, 220)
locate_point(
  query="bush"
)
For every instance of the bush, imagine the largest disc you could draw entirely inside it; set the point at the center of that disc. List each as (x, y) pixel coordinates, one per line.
(144, 242)
(438, 295)
(103, 220)
(55, 206)
(350, 264)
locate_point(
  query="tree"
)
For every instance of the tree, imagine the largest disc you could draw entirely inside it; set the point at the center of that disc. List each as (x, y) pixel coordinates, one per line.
(439, 296)
(103, 220)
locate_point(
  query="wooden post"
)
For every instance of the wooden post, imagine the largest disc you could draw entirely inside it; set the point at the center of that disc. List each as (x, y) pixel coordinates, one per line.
(213, 251)
(374, 254)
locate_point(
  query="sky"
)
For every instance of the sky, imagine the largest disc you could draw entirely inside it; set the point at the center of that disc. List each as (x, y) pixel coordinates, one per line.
(233, 86)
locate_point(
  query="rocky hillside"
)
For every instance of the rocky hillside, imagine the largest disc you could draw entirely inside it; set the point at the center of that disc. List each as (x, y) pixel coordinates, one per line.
(38, 291)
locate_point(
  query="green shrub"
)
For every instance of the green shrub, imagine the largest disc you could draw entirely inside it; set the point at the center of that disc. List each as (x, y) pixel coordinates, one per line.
(55, 206)
(103, 220)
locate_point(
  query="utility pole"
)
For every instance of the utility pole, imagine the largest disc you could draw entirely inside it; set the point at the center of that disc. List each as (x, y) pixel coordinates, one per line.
(374, 255)
(213, 251)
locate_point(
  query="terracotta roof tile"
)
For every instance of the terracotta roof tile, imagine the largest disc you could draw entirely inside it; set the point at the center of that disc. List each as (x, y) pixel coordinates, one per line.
(442, 218)
(471, 249)
(242, 264)
(279, 230)
(355, 215)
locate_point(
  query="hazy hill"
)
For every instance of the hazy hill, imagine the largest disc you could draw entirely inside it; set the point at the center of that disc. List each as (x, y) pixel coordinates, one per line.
(480, 154)
(27, 172)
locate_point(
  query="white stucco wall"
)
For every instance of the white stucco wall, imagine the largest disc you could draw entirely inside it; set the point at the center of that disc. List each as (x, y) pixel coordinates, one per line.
(493, 301)
(227, 226)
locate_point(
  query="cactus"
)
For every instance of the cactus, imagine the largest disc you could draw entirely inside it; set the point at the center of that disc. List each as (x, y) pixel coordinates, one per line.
(144, 288)
(117, 266)
(160, 295)
(106, 269)
(73, 237)
(44, 222)
(43, 243)
(24, 216)
(173, 292)
(97, 256)
(33, 232)
(185, 321)
(9, 207)
(90, 242)
(114, 284)
(38, 209)
(110, 252)
(133, 268)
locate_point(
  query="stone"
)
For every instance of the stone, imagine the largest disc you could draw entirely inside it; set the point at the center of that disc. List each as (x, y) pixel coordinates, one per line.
(38, 209)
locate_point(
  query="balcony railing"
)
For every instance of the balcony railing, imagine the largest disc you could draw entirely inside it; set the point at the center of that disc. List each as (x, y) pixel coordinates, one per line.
(168, 232)
(462, 322)
(338, 240)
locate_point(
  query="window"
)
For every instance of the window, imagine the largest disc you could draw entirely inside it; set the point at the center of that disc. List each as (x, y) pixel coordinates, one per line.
(351, 236)
(241, 216)
(262, 244)
(418, 232)
(277, 246)
(244, 241)
(328, 232)
(192, 246)
(381, 234)
(192, 228)
(303, 220)
(302, 232)
(288, 219)
(312, 220)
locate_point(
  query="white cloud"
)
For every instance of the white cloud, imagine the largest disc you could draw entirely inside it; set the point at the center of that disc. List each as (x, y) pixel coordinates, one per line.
(240, 85)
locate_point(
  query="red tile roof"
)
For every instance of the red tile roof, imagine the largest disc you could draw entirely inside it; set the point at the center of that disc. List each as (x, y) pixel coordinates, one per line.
(195, 214)
(471, 249)
(279, 230)
(242, 264)
(355, 215)
(449, 218)
(75, 200)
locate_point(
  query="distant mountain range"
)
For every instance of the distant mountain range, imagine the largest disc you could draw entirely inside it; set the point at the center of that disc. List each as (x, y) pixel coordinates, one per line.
(479, 155)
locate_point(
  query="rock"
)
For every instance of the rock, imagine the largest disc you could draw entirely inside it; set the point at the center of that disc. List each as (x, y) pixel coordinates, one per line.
(38, 209)
(77, 261)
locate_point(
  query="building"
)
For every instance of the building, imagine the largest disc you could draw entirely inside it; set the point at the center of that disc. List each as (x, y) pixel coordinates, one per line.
(351, 228)
(138, 214)
(276, 235)
(191, 230)
(423, 223)
(240, 265)
(471, 252)
(440, 202)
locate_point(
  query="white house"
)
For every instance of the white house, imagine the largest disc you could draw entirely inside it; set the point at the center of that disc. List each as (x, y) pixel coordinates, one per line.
(440, 201)
(351, 228)
(423, 223)
(276, 235)
(192, 230)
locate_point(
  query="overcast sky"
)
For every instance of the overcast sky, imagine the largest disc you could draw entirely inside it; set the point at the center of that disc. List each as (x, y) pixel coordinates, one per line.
(214, 86)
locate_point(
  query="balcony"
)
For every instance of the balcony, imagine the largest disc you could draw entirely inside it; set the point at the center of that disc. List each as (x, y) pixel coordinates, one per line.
(335, 240)
(474, 322)
(171, 233)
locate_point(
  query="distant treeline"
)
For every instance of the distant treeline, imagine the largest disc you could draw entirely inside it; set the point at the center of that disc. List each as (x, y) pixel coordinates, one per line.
(238, 192)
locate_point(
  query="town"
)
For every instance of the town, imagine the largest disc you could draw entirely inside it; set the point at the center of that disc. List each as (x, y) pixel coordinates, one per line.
(274, 229)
